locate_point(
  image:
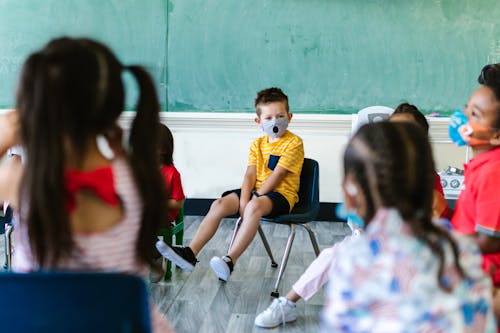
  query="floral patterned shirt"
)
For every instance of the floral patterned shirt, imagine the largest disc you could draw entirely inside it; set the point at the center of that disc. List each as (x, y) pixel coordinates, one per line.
(387, 282)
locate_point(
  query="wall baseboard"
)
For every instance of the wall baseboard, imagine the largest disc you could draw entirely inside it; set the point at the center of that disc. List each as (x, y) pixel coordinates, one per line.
(200, 207)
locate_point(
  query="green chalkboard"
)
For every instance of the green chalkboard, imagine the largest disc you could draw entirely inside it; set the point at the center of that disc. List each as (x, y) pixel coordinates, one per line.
(330, 56)
(136, 30)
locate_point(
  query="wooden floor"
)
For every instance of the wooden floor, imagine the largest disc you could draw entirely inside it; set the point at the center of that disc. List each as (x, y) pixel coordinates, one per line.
(199, 302)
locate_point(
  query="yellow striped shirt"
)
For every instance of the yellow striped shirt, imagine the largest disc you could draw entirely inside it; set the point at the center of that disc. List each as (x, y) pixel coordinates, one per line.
(288, 151)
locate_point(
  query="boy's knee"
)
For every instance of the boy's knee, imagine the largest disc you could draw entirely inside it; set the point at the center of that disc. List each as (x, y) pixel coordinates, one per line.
(217, 204)
(253, 208)
(224, 206)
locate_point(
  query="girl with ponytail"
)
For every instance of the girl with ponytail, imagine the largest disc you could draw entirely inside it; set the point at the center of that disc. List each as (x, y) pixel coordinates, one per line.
(405, 273)
(84, 202)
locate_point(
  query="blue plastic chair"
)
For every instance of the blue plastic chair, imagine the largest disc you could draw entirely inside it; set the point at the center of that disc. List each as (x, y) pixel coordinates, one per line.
(304, 212)
(58, 302)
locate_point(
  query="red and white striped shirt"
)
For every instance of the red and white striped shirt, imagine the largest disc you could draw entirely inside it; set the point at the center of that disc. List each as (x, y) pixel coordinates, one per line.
(113, 250)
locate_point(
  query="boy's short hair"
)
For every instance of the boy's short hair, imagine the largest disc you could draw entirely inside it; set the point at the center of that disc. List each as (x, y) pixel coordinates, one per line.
(407, 108)
(270, 95)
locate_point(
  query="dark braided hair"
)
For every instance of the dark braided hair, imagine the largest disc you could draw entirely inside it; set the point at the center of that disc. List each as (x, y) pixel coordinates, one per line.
(393, 164)
(69, 92)
(490, 77)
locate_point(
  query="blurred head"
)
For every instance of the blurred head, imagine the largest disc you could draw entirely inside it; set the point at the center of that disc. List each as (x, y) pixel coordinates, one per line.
(408, 112)
(391, 164)
(69, 91)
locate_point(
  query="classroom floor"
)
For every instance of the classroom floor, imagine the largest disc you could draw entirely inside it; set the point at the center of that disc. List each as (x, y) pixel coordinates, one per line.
(199, 302)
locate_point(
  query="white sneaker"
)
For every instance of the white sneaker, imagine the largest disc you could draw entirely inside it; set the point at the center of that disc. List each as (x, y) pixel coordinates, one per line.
(222, 267)
(280, 311)
(181, 256)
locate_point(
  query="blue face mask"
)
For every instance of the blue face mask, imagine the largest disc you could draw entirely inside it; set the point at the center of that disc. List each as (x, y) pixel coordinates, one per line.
(457, 120)
(350, 215)
(275, 128)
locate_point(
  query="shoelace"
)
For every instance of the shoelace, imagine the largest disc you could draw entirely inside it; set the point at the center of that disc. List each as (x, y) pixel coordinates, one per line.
(277, 303)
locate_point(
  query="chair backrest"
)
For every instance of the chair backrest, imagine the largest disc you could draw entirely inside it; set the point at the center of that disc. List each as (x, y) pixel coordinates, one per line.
(369, 115)
(73, 302)
(307, 208)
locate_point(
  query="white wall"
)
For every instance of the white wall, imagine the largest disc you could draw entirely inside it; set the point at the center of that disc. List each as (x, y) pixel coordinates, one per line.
(211, 149)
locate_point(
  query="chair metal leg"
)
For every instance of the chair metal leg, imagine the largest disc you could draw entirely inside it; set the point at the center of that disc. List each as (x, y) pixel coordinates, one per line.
(235, 231)
(312, 237)
(267, 247)
(284, 261)
(8, 246)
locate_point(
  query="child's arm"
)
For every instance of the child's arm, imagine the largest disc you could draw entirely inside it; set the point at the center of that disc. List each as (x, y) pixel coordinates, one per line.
(247, 187)
(488, 244)
(10, 170)
(276, 177)
(487, 210)
(10, 180)
(9, 129)
(173, 204)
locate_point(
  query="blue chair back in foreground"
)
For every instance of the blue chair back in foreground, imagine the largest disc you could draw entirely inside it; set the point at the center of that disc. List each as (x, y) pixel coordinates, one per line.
(303, 212)
(59, 302)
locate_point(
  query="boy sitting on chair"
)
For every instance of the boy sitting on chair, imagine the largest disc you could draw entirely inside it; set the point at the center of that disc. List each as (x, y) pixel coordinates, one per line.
(270, 187)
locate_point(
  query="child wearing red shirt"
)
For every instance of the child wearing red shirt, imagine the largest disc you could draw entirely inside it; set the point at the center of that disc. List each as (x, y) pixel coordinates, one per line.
(170, 174)
(477, 210)
(410, 113)
(173, 184)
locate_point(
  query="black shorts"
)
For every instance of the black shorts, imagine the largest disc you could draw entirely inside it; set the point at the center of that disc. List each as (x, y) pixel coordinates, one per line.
(280, 204)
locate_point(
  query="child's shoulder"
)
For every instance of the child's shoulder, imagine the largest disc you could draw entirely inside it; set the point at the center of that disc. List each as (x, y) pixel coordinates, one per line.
(489, 162)
(293, 135)
(293, 141)
(495, 155)
(169, 170)
(286, 138)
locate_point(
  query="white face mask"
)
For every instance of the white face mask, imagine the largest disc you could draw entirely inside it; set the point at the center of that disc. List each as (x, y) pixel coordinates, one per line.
(275, 128)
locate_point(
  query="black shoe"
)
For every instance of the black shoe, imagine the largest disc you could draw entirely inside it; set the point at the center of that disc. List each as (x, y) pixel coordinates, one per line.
(181, 256)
